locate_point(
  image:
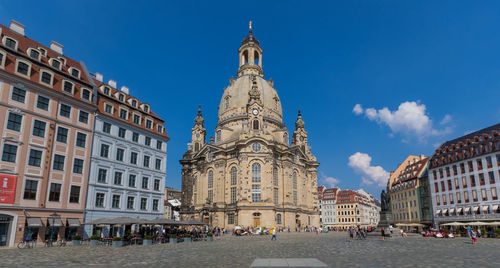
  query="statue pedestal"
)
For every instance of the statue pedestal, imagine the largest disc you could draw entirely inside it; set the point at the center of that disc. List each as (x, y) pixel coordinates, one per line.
(385, 219)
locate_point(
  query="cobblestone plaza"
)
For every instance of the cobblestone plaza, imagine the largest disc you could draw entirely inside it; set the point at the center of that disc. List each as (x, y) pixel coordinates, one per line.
(334, 249)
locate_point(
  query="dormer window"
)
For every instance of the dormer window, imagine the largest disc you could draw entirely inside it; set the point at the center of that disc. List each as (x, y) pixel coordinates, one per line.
(23, 67)
(75, 72)
(43, 51)
(55, 63)
(160, 129)
(123, 114)
(108, 108)
(34, 54)
(146, 109)
(68, 87)
(86, 94)
(106, 91)
(121, 97)
(134, 103)
(63, 60)
(46, 78)
(137, 119)
(10, 43)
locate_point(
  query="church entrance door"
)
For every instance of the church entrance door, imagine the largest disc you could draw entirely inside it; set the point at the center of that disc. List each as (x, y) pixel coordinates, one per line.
(256, 221)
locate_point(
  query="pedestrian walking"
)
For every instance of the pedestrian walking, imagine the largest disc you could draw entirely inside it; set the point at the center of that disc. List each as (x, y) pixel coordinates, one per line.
(351, 233)
(473, 236)
(273, 233)
(383, 233)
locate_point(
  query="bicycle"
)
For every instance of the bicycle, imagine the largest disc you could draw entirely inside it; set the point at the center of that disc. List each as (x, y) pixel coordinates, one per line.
(61, 243)
(25, 244)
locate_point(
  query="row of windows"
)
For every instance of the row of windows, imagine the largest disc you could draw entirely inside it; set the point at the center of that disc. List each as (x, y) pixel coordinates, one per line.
(9, 154)
(102, 177)
(470, 165)
(406, 216)
(123, 113)
(120, 154)
(122, 133)
(484, 196)
(121, 97)
(411, 203)
(19, 95)
(116, 200)
(37, 53)
(23, 67)
(31, 189)
(472, 180)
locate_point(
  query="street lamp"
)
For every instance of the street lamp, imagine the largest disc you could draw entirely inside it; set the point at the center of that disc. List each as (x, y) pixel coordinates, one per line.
(53, 217)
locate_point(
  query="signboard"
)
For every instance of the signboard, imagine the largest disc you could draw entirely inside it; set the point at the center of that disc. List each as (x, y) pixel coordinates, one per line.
(7, 188)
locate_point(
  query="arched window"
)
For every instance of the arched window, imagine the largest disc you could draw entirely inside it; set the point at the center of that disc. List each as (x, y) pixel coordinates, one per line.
(226, 103)
(245, 57)
(278, 218)
(218, 135)
(256, 58)
(233, 176)
(210, 179)
(256, 172)
(285, 138)
(195, 183)
(275, 176)
(256, 124)
(294, 180)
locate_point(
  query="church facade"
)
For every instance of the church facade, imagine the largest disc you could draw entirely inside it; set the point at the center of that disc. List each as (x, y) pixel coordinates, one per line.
(250, 174)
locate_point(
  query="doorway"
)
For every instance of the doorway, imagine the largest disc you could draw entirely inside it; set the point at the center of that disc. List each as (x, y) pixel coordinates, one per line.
(256, 219)
(5, 222)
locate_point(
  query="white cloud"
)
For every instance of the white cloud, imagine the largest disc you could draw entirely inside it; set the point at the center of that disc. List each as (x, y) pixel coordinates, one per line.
(446, 119)
(361, 163)
(357, 110)
(329, 181)
(410, 118)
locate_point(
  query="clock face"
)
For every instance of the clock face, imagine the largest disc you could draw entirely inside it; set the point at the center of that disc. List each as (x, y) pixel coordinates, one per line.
(255, 112)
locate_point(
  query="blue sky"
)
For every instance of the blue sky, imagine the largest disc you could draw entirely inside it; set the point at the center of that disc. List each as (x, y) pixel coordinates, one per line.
(421, 72)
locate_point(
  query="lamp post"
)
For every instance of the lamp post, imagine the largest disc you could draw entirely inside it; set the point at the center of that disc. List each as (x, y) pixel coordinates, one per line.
(53, 217)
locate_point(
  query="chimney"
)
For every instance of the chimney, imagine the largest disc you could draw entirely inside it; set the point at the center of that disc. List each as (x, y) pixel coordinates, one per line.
(112, 83)
(17, 27)
(124, 89)
(98, 77)
(56, 47)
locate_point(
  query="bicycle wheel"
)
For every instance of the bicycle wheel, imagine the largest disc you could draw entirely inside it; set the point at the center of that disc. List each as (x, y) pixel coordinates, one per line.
(21, 245)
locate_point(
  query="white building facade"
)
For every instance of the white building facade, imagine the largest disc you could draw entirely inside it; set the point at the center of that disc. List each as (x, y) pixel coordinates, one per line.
(128, 164)
(464, 178)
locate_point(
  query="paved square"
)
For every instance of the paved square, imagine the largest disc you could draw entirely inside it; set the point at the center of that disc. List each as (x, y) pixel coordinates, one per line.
(333, 249)
(288, 262)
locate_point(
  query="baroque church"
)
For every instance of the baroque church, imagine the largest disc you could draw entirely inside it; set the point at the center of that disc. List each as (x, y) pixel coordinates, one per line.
(250, 174)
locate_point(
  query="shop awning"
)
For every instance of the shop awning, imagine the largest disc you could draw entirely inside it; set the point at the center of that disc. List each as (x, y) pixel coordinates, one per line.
(476, 209)
(54, 222)
(459, 210)
(485, 208)
(452, 211)
(467, 209)
(438, 211)
(495, 207)
(73, 222)
(445, 211)
(34, 222)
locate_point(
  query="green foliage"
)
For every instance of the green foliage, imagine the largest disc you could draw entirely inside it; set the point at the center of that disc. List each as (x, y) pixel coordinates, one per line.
(173, 236)
(209, 234)
(116, 238)
(77, 237)
(148, 237)
(94, 237)
(187, 235)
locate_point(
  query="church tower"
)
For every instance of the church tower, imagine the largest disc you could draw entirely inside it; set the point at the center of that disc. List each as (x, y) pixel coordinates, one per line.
(250, 175)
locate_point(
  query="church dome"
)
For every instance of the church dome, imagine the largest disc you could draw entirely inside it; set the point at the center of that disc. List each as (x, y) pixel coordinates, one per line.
(236, 97)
